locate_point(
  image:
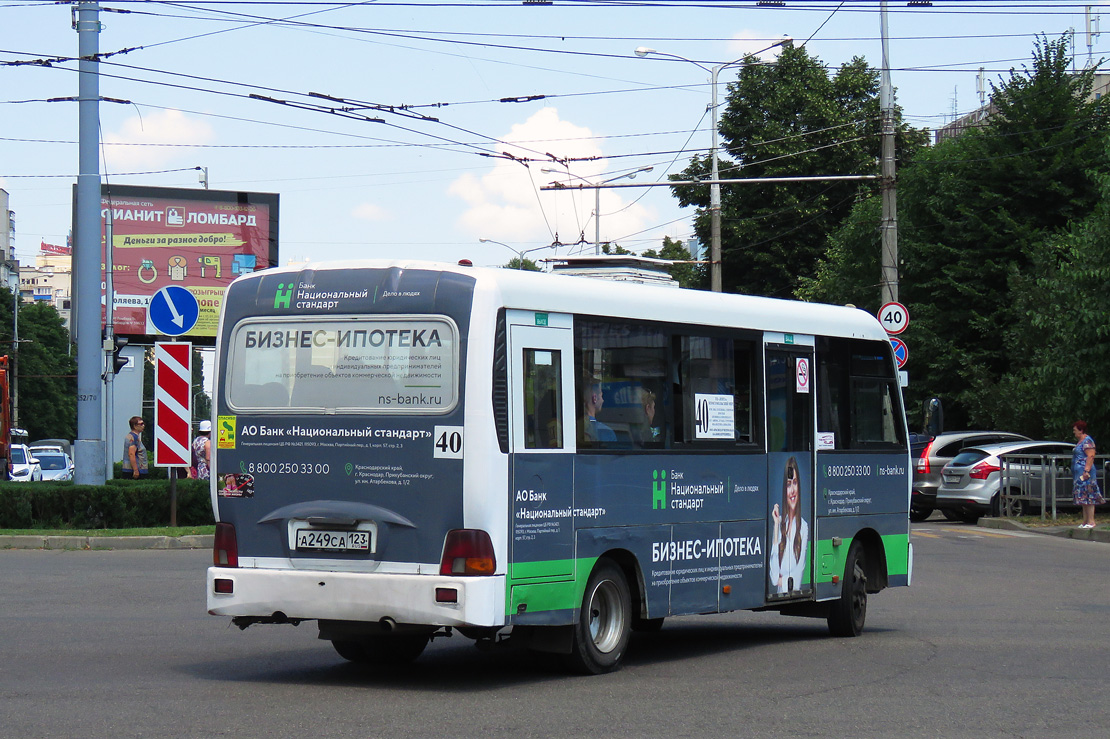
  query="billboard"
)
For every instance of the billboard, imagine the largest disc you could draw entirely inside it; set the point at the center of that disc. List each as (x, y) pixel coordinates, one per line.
(198, 240)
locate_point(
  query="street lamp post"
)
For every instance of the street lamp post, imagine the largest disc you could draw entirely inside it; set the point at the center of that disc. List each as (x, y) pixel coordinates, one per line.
(714, 186)
(519, 252)
(597, 195)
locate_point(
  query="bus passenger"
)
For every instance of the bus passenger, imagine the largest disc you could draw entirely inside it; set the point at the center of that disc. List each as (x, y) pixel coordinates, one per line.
(590, 429)
(791, 534)
(648, 431)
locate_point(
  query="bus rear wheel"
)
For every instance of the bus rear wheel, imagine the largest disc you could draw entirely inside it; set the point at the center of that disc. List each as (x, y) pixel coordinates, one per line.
(848, 613)
(604, 622)
(382, 650)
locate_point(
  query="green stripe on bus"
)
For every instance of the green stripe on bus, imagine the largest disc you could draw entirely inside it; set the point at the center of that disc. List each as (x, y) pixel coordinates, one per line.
(544, 592)
(830, 559)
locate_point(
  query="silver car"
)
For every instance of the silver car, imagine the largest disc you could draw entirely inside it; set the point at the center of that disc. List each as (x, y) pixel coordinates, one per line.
(970, 483)
(929, 457)
(55, 465)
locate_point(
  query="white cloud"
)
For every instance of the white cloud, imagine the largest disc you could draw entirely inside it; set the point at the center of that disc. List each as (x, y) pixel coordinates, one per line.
(754, 42)
(505, 203)
(370, 212)
(161, 127)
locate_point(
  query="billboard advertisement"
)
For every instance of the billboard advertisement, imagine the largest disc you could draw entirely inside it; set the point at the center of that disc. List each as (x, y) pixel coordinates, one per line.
(171, 246)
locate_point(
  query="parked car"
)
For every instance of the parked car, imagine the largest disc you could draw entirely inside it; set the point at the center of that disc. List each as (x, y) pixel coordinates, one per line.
(55, 465)
(931, 455)
(25, 468)
(971, 482)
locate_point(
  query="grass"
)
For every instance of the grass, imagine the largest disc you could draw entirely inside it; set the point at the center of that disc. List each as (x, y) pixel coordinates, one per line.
(157, 531)
(1065, 518)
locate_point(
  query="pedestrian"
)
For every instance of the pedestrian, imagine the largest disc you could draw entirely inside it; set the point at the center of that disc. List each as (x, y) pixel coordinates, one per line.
(134, 453)
(202, 450)
(1087, 494)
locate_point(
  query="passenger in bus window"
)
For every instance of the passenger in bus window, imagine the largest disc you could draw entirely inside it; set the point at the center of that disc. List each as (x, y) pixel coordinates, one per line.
(791, 534)
(649, 430)
(592, 430)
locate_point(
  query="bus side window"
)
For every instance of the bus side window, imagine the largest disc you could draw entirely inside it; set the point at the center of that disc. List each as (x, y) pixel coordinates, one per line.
(543, 420)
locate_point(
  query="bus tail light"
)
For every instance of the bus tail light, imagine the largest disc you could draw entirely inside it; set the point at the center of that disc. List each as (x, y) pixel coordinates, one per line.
(467, 552)
(225, 549)
(983, 470)
(922, 464)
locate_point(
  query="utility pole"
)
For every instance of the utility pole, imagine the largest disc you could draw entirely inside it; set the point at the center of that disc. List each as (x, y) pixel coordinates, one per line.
(89, 448)
(888, 282)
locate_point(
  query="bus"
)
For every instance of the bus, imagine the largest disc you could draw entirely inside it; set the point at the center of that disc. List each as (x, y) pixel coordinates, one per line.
(409, 450)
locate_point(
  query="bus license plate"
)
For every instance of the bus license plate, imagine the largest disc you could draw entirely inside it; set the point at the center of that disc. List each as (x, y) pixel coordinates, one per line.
(334, 541)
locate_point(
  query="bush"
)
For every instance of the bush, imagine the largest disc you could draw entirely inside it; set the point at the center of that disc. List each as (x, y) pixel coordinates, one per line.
(119, 504)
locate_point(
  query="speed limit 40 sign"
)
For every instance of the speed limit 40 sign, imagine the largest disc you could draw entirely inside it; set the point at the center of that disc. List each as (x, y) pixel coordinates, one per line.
(894, 317)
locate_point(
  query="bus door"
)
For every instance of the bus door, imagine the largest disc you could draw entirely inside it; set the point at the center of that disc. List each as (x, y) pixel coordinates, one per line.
(542, 444)
(791, 528)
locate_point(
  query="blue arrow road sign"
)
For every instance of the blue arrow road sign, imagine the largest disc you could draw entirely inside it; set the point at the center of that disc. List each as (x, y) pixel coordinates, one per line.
(901, 352)
(173, 311)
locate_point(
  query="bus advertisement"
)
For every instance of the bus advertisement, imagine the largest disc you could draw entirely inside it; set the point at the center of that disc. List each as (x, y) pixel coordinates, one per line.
(413, 450)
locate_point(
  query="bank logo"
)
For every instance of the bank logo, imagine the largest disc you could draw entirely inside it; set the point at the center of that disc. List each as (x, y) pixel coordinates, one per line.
(283, 295)
(659, 490)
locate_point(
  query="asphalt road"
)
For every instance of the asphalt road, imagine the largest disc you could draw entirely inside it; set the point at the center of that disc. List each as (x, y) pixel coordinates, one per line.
(1002, 634)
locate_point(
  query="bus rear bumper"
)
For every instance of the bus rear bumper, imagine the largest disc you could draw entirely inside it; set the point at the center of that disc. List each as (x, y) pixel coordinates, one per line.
(351, 596)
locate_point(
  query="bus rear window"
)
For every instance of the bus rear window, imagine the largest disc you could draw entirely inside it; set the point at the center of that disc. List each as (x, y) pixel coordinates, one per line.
(367, 364)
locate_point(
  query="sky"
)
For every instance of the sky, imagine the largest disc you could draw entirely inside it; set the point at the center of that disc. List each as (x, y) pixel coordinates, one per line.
(443, 116)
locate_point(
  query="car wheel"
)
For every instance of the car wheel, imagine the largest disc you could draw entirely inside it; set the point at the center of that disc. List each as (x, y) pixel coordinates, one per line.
(920, 514)
(604, 622)
(1015, 507)
(952, 515)
(848, 613)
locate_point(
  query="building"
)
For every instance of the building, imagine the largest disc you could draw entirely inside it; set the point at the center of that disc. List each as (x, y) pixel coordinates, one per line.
(976, 117)
(50, 280)
(9, 267)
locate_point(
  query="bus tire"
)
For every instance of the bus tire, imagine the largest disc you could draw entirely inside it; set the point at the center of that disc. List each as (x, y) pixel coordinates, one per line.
(382, 650)
(848, 613)
(604, 622)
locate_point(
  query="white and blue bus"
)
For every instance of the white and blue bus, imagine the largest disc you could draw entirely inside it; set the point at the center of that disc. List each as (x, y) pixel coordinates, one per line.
(408, 449)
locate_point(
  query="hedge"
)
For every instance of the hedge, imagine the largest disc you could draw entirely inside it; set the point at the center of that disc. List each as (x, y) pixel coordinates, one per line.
(119, 504)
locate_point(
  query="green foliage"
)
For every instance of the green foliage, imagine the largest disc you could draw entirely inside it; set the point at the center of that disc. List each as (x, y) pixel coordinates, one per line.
(979, 220)
(1066, 302)
(47, 374)
(118, 504)
(687, 275)
(525, 264)
(786, 119)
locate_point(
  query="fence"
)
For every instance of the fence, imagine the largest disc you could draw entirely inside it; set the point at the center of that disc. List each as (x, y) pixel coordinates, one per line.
(1041, 481)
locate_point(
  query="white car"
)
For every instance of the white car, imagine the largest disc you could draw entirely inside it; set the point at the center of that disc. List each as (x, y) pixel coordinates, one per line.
(25, 468)
(55, 465)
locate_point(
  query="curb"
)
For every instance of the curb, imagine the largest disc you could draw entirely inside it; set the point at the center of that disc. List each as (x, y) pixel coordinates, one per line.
(1100, 534)
(106, 542)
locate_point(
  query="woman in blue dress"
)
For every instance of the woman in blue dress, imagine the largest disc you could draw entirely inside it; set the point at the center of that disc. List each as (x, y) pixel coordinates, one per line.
(1087, 495)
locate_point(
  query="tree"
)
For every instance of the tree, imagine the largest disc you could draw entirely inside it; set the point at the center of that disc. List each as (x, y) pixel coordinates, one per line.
(687, 275)
(975, 214)
(523, 263)
(1067, 336)
(789, 118)
(47, 374)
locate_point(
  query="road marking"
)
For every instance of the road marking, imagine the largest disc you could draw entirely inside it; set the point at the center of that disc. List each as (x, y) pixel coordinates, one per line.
(996, 534)
(928, 536)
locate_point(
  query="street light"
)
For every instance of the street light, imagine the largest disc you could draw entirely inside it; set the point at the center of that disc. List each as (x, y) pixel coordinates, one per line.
(597, 195)
(714, 185)
(519, 252)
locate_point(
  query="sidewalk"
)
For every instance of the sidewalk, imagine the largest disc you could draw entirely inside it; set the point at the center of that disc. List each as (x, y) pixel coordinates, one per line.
(106, 542)
(1100, 534)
